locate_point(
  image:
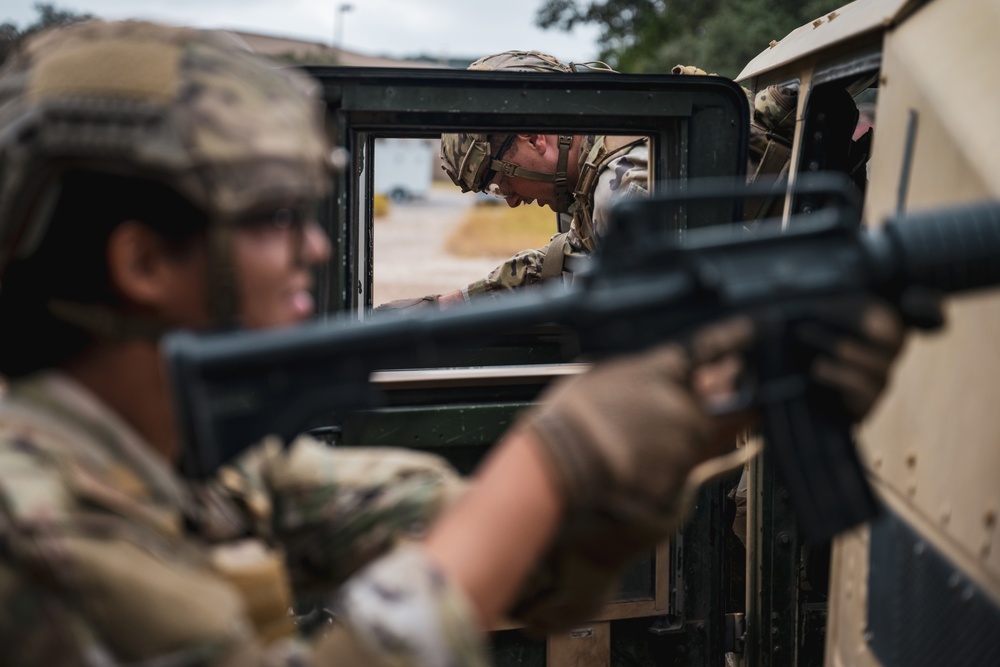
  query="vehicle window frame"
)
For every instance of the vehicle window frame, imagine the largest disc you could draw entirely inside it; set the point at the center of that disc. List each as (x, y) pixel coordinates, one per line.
(679, 113)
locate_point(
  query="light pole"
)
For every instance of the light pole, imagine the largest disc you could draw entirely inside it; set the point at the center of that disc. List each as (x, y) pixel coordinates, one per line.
(338, 33)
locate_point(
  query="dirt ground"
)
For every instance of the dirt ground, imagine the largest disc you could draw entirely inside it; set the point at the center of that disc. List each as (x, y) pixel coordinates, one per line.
(410, 259)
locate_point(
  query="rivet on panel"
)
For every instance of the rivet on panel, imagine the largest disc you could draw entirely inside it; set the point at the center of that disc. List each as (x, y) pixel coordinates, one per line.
(990, 518)
(911, 459)
(945, 515)
(877, 461)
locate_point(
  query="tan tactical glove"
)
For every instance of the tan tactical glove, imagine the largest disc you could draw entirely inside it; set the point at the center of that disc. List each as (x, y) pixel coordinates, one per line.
(858, 338)
(628, 431)
(621, 440)
(690, 70)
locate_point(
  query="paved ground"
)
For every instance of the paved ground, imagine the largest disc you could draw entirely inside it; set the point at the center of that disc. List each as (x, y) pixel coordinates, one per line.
(409, 248)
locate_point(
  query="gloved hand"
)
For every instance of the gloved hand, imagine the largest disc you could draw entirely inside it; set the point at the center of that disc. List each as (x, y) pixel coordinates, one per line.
(429, 301)
(632, 427)
(856, 341)
(621, 440)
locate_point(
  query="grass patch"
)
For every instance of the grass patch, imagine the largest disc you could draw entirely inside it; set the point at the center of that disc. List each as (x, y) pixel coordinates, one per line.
(501, 231)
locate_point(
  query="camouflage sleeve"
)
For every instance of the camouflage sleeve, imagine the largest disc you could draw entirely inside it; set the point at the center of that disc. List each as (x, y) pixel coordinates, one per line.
(626, 176)
(90, 576)
(337, 508)
(95, 571)
(120, 604)
(402, 611)
(524, 268)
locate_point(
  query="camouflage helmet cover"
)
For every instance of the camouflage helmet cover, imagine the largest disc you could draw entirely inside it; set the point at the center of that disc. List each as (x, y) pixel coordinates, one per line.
(466, 156)
(522, 61)
(228, 130)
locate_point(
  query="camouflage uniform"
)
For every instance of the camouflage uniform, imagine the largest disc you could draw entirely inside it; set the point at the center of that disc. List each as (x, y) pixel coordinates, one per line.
(772, 125)
(106, 555)
(109, 557)
(614, 175)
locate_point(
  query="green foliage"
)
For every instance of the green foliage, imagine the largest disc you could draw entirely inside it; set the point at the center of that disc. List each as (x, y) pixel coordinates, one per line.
(48, 16)
(654, 35)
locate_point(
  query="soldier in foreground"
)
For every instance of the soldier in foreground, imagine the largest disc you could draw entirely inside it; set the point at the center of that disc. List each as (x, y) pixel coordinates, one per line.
(158, 178)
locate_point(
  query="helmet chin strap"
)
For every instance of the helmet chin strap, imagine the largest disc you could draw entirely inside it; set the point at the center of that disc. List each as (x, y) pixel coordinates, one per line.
(106, 324)
(564, 195)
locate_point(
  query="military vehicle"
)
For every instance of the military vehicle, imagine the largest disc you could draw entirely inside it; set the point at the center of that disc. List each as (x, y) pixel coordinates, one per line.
(919, 585)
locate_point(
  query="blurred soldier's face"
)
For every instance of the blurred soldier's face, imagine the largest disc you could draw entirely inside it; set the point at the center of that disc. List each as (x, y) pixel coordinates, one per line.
(273, 258)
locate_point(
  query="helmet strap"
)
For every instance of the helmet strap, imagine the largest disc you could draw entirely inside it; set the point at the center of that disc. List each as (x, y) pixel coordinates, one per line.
(222, 268)
(564, 197)
(105, 323)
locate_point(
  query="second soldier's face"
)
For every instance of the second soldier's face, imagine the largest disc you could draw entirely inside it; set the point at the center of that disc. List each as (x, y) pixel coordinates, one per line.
(541, 157)
(273, 261)
(525, 191)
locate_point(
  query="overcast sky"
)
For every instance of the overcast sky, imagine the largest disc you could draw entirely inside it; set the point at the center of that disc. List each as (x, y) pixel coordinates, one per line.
(452, 28)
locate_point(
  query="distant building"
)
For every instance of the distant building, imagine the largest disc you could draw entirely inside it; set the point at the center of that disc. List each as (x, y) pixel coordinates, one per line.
(304, 52)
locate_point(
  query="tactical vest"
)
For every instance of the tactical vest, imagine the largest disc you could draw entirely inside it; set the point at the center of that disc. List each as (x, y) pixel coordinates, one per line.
(605, 150)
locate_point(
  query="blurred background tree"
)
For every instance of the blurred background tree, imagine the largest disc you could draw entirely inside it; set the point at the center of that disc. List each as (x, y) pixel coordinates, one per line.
(48, 15)
(719, 36)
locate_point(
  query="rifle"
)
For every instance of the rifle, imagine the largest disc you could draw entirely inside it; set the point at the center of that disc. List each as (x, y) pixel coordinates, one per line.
(649, 284)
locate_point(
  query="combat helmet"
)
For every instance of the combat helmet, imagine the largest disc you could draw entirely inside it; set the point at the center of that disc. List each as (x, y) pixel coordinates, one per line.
(191, 109)
(472, 162)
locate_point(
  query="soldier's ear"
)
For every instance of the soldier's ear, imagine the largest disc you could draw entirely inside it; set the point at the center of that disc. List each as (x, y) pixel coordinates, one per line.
(141, 266)
(535, 142)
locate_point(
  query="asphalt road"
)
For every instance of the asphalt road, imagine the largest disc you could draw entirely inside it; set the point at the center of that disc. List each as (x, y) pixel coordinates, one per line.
(410, 260)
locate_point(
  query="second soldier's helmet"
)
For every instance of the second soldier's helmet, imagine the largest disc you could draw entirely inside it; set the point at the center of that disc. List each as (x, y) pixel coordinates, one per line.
(191, 109)
(470, 159)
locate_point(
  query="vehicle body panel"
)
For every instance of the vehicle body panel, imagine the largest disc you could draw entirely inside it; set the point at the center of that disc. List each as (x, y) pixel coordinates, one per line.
(823, 34)
(931, 446)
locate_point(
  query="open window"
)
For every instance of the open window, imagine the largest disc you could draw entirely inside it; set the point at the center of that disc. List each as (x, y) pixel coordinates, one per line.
(697, 127)
(840, 123)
